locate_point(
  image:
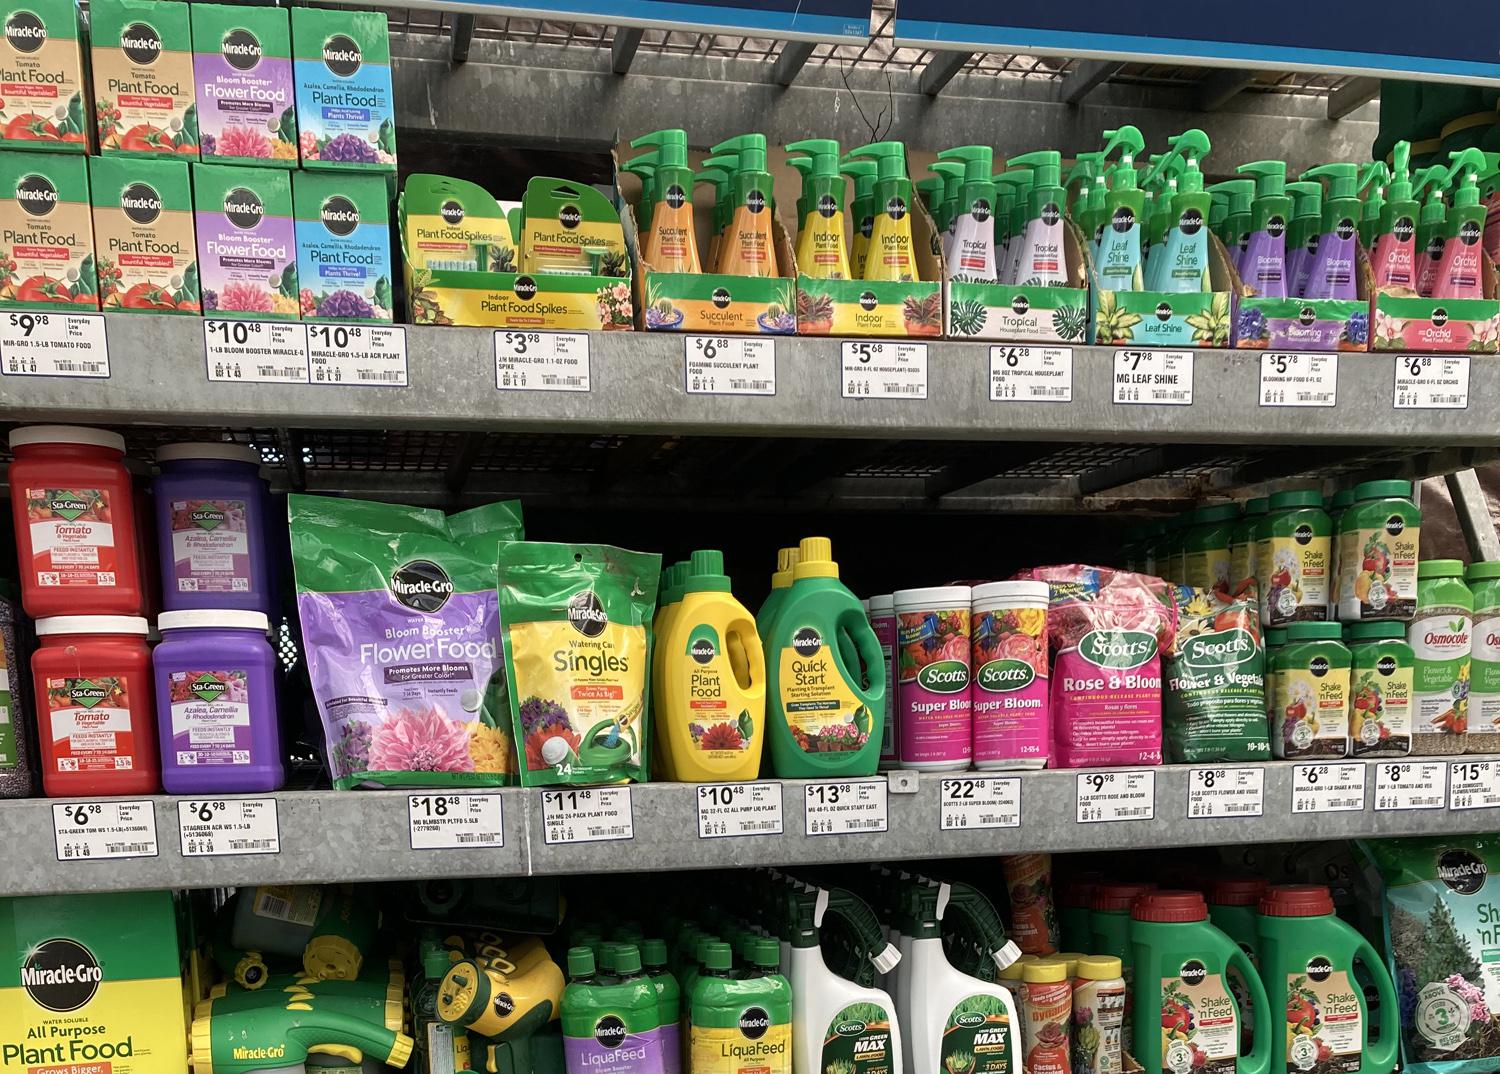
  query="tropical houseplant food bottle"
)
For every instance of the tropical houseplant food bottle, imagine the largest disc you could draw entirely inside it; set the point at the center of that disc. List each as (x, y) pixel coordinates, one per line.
(822, 719)
(1307, 965)
(1186, 1018)
(740, 1026)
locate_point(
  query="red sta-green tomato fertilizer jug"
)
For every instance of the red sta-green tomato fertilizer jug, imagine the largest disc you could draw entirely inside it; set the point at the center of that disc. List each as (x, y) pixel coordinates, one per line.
(1307, 958)
(1186, 1018)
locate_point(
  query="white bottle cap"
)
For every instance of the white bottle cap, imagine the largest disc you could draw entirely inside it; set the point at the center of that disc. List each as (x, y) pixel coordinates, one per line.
(92, 624)
(66, 434)
(214, 618)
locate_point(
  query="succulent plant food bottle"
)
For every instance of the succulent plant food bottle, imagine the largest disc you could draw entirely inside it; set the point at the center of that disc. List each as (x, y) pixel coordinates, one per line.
(1484, 668)
(1293, 553)
(1010, 691)
(932, 636)
(1310, 717)
(1440, 638)
(1379, 543)
(1381, 687)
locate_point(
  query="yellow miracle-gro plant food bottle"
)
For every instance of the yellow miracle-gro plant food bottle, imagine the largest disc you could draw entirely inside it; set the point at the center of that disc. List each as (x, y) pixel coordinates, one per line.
(713, 708)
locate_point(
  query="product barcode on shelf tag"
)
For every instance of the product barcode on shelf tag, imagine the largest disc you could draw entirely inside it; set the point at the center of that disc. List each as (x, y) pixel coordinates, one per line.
(357, 355)
(1411, 785)
(1031, 374)
(227, 827)
(1328, 788)
(255, 352)
(883, 370)
(1125, 795)
(729, 365)
(454, 821)
(587, 815)
(848, 807)
(1299, 379)
(85, 831)
(1474, 785)
(1215, 793)
(541, 361)
(980, 802)
(1432, 382)
(1157, 378)
(54, 345)
(726, 810)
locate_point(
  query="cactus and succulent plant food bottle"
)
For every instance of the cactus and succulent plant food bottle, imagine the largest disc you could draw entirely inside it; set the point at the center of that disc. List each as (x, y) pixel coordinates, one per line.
(1381, 686)
(1293, 557)
(1440, 638)
(748, 247)
(1310, 718)
(1379, 543)
(671, 242)
(1049, 1013)
(242, 70)
(346, 113)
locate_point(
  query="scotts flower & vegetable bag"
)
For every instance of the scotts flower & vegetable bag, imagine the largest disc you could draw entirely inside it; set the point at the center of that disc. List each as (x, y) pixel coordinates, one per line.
(1441, 905)
(577, 643)
(401, 634)
(1214, 702)
(1107, 629)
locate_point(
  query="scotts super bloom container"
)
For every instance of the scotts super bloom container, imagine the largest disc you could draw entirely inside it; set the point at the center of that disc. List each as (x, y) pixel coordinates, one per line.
(1439, 637)
(92, 677)
(882, 613)
(1206, 546)
(932, 640)
(75, 522)
(211, 527)
(1010, 691)
(216, 703)
(1379, 542)
(1293, 553)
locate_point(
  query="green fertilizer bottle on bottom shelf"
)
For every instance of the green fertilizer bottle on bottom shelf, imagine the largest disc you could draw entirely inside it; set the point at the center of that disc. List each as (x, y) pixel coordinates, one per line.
(821, 718)
(741, 1025)
(1186, 1018)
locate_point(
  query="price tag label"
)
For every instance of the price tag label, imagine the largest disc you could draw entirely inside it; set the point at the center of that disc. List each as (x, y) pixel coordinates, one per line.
(227, 827)
(590, 815)
(1432, 382)
(54, 345)
(1473, 785)
(846, 808)
(1215, 793)
(980, 802)
(255, 352)
(541, 361)
(881, 370)
(84, 831)
(1328, 788)
(1031, 374)
(1299, 379)
(1106, 796)
(726, 810)
(1156, 378)
(1411, 785)
(357, 355)
(454, 821)
(729, 365)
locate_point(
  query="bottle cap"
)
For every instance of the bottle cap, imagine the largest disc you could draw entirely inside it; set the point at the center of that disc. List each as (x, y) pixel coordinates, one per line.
(889, 157)
(885, 604)
(863, 174)
(1296, 498)
(654, 953)
(1427, 568)
(978, 161)
(751, 149)
(242, 453)
(1380, 630)
(716, 956)
(214, 618)
(1258, 506)
(1236, 891)
(580, 962)
(824, 153)
(786, 560)
(1313, 632)
(1380, 490)
(1218, 512)
(1098, 968)
(766, 953)
(1343, 179)
(92, 624)
(1046, 164)
(28, 435)
(1045, 971)
(1483, 570)
(609, 956)
(1296, 900)
(1307, 199)
(1275, 635)
(1270, 176)
(815, 559)
(706, 572)
(1170, 907)
(627, 959)
(1119, 897)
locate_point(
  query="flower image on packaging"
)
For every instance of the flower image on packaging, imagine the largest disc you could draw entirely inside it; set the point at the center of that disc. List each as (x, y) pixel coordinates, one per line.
(242, 70)
(247, 252)
(346, 113)
(400, 628)
(142, 62)
(344, 264)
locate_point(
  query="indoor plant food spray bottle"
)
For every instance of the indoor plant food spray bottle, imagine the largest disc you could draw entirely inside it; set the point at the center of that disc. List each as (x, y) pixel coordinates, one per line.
(820, 242)
(889, 256)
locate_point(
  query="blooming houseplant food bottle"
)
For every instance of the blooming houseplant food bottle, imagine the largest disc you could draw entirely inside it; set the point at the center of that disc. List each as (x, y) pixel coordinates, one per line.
(1379, 543)
(71, 499)
(216, 703)
(1243, 541)
(1484, 667)
(1098, 1014)
(1310, 717)
(1439, 637)
(1307, 965)
(932, 696)
(1207, 560)
(1185, 1017)
(96, 723)
(1232, 907)
(1380, 690)
(1010, 691)
(1294, 548)
(211, 521)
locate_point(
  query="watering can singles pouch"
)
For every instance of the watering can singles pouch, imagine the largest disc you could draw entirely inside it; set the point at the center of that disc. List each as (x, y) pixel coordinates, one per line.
(577, 641)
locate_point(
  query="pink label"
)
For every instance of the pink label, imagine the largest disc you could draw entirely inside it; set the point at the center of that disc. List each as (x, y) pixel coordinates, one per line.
(1106, 700)
(1012, 721)
(885, 633)
(933, 699)
(1492, 227)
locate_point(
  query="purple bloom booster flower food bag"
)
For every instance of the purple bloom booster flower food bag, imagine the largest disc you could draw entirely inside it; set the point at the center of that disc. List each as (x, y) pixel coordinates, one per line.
(401, 629)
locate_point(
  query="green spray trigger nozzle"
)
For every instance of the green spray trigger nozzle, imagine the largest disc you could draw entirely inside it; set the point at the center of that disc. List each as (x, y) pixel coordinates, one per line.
(1182, 161)
(1308, 198)
(1017, 177)
(1374, 177)
(1126, 138)
(1270, 176)
(863, 174)
(750, 149)
(1086, 166)
(823, 153)
(889, 158)
(1464, 175)
(1046, 166)
(1343, 178)
(671, 146)
(1238, 191)
(976, 159)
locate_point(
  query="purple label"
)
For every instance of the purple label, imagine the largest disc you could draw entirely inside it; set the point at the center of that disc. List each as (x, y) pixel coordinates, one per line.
(671, 1048)
(210, 546)
(933, 695)
(245, 114)
(1012, 720)
(1290, 333)
(611, 1048)
(210, 718)
(243, 270)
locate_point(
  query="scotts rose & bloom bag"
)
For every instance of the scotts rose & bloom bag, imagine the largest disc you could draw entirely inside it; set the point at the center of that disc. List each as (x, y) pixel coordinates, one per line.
(1214, 704)
(1107, 629)
(401, 635)
(577, 644)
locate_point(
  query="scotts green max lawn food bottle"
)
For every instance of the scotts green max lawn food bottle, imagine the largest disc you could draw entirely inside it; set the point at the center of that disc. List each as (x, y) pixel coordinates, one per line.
(1307, 964)
(822, 719)
(741, 1026)
(1186, 1020)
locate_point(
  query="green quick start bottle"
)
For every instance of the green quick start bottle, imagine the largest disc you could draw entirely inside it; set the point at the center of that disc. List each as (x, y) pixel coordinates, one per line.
(1242, 542)
(1206, 546)
(740, 1026)
(617, 1024)
(1484, 664)
(1379, 544)
(1381, 681)
(1294, 546)
(1440, 636)
(1310, 716)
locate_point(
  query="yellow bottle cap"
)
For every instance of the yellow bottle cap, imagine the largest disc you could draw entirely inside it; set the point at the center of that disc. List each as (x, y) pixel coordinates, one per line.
(815, 559)
(1013, 971)
(1098, 967)
(1071, 958)
(786, 562)
(1045, 971)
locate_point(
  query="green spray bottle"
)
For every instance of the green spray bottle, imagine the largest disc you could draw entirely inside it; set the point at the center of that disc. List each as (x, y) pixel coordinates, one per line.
(643, 167)
(749, 245)
(1183, 263)
(744, 1025)
(1393, 256)
(822, 254)
(1161, 187)
(930, 193)
(1118, 265)
(1263, 264)
(952, 175)
(1334, 264)
(717, 171)
(890, 255)
(1015, 186)
(279, 1039)
(971, 254)
(1434, 216)
(1005, 203)
(1087, 167)
(671, 241)
(602, 1015)
(1302, 233)
(863, 210)
(1239, 194)
(1461, 270)
(1218, 212)
(1043, 260)
(1373, 180)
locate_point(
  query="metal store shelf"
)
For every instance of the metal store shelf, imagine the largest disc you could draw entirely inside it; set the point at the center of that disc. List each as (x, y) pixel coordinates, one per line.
(347, 836)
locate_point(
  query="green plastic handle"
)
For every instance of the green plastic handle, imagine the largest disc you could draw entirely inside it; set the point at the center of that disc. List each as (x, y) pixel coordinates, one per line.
(1259, 1059)
(1381, 1055)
